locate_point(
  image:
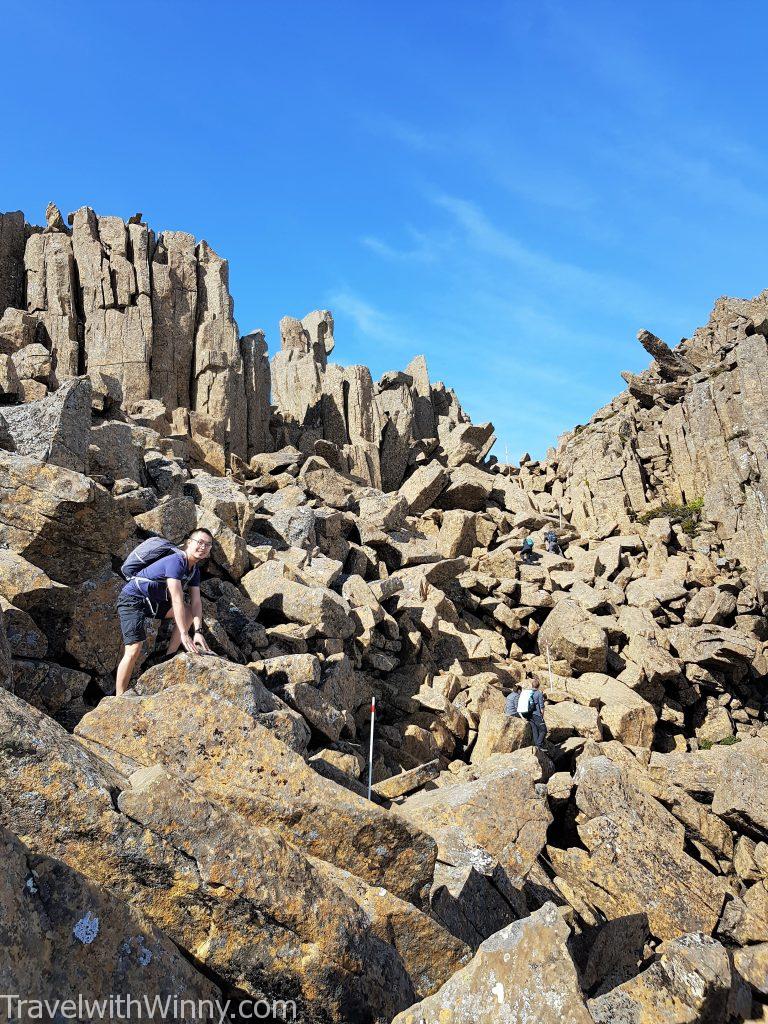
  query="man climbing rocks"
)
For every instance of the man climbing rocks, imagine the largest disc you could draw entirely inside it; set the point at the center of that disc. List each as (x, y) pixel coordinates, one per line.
(510, 704)
(552, 543)
(526, 552)
(528, 704)
(536, 708)
(158, 592)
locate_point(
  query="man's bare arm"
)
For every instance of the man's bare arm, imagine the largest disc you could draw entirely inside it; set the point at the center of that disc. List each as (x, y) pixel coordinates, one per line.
(180, 614)
(196, 604)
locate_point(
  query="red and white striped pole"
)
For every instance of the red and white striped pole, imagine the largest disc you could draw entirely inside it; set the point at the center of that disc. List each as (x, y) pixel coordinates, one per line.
(370, 753)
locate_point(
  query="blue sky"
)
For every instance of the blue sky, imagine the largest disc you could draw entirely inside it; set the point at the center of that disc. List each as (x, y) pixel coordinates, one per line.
(513, 189)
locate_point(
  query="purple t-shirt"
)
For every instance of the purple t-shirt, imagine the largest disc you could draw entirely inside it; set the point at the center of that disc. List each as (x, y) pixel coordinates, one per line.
(154, 579)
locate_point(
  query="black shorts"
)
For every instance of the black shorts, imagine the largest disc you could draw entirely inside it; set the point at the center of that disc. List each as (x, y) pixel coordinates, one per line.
(133, 612)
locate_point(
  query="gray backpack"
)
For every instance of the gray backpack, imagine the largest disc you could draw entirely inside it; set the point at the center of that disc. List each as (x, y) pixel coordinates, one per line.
(147, 553)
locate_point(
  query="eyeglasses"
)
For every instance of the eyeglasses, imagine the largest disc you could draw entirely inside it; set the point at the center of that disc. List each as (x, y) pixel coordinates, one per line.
(202, 543)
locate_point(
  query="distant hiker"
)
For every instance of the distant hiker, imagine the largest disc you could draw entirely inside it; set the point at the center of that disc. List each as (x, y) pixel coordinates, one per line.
(155, 589)
(530, 706)
(553, 546)
(526, 551)
(510, 704)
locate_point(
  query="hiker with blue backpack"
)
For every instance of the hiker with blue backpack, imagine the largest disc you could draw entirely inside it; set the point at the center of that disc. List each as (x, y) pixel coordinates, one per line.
(527, 555)
(552, 543)
(159, 574)
(528, 704)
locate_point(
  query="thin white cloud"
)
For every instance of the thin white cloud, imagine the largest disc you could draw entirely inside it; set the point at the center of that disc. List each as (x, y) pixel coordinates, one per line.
(588, 287)
(719, 179)
(426, 248)
(374, 324)
(419, 139)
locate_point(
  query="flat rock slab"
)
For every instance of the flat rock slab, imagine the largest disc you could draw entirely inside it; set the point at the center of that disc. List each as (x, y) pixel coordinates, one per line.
(407, 782)
(238, 763)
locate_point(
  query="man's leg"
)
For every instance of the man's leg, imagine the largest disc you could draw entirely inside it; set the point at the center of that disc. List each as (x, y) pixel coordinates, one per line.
(126, 667)
(539, 730)
(175, 642)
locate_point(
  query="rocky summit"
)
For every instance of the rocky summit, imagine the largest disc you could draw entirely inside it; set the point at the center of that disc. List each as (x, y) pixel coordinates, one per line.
(208, 836)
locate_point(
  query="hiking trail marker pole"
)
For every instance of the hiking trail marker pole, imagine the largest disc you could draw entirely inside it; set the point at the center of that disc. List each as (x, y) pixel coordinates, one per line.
(370, 753)
(549, 667)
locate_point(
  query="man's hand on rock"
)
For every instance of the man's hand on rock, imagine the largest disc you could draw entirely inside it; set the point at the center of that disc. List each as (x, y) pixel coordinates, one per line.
(188, 644)
(201, 647)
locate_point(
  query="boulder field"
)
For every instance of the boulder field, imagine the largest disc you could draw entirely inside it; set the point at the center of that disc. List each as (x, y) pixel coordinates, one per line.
(208, 836)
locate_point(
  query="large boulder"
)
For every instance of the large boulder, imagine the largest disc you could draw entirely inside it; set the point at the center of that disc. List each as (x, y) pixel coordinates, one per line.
(93, 635)
(496, 824)
(223, 497)
(229, 552)
(468, 488)
(23, 584)
(712, 645)
(634, 859)
(573, 636)
(734, 777)
(179, 858)
(244, 766)
(499, 733)
(341, 964)
(422, 488)
(237, 684)
(117, 450)
(427, 950)
(173, 519)
(54, 689)
(56, 428)
(269, 587)
(566, 718)
(623, 712)
(25, 640)
(689, 980)
(523, 973)
(62, 934)
(59, 520)
(308, 702)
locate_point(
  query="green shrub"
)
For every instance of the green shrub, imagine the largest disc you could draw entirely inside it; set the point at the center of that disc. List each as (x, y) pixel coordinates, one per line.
(727, 742)
(687, 515)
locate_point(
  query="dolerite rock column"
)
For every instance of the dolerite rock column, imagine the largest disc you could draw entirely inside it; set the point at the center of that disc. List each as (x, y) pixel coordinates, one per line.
(174, 311)
(253, 348)
(12, 236)
(52, 295)
(113, 267)
(218, 388)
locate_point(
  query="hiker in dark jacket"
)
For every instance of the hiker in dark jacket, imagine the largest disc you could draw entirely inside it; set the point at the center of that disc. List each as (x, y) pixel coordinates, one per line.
(538, 725)
(526, 552)
(159, 594)
(528, 704)
(553, 545)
